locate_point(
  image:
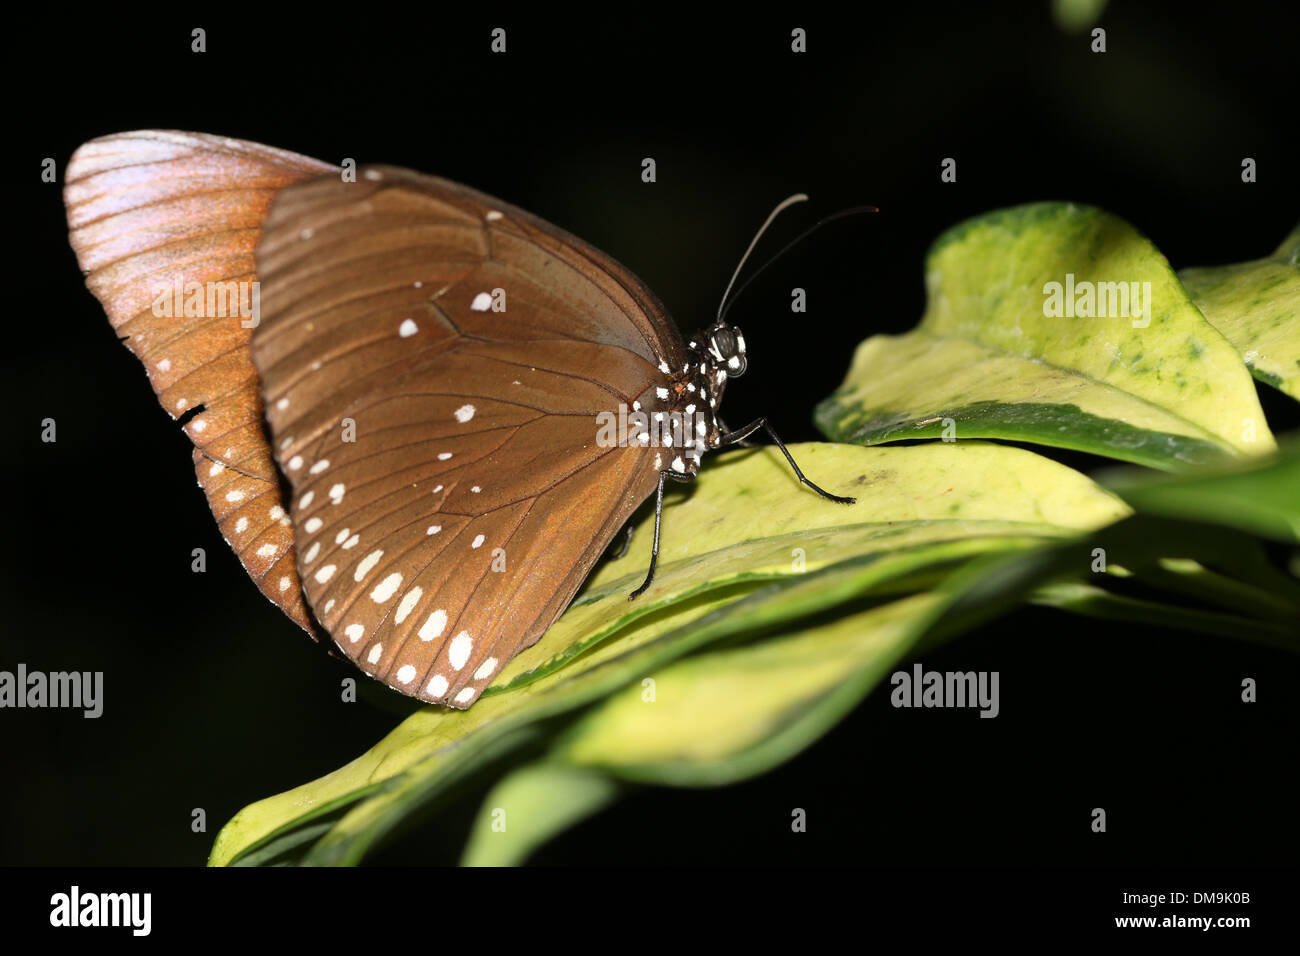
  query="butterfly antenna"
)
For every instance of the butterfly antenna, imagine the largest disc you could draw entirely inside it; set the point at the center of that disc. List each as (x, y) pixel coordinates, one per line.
(780, 207)
(854, 211)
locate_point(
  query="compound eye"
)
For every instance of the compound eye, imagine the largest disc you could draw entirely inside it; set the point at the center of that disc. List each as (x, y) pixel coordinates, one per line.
(724, 344)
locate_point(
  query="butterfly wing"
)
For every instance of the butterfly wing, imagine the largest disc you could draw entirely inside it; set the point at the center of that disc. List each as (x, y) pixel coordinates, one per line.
(150, 213)
(433, 363)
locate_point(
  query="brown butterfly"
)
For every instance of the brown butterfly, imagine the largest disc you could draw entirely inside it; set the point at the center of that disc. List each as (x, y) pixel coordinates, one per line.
(435, 367)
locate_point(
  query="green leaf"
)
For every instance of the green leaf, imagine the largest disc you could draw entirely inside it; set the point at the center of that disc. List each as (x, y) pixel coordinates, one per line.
(720, 717)
(417, 789)
(1256, 305)
(725, 715)
(728, 566)
(1262, 497)
(1196, 562)
(531, 805)
(253, 840)
(1255, 598)
(747, 516)
(987, 362)
(1098, 602)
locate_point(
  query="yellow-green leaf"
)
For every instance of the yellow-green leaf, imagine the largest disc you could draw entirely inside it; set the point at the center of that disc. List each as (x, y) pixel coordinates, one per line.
(515, 716)
(719, 717)
(724, 548)
(748, 520)
(1256, 305)
(1158, 385)
(529, 806)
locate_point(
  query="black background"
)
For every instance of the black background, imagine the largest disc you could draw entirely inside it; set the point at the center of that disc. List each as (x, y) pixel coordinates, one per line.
(214, 700)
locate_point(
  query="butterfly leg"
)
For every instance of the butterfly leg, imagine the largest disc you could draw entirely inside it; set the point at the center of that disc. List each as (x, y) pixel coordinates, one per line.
(627, 543)
(740, 434)
(743, 443)
(659, 511)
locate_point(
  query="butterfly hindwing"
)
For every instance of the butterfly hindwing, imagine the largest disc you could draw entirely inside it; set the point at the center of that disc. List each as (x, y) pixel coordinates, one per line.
(433, 363)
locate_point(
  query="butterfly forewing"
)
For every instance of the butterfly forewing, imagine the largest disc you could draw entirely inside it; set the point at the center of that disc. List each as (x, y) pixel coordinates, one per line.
(153, 216)
(433, 363)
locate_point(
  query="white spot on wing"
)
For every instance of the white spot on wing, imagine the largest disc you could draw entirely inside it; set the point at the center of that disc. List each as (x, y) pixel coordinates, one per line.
(367, 564)
(386, 588)
(458, 653)
(409, 600)
(434, 626)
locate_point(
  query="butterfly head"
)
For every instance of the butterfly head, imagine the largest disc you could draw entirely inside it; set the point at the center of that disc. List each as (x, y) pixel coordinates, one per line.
(726, 350)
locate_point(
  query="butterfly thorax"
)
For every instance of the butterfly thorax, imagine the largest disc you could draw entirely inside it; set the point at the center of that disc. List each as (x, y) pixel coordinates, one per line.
(688, 413)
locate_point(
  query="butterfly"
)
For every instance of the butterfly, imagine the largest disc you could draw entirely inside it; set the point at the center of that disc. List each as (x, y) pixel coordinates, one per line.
(466, 402)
